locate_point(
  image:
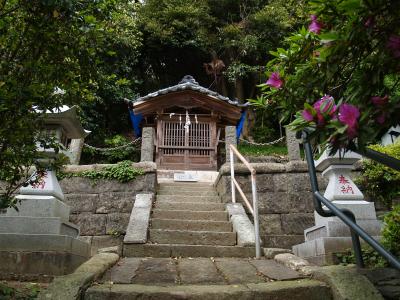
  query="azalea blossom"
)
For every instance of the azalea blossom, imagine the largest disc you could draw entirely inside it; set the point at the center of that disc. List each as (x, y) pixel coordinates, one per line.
(380, 101)
(394, 45)
(307, 115)
(348, 115)
(315, 26)
(275, 80)
(325, 105)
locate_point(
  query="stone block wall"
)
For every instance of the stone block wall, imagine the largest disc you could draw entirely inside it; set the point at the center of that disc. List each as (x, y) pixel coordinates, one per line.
(101, 208)
(284, 196)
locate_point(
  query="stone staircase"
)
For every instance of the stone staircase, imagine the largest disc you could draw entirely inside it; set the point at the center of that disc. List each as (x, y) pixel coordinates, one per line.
(189, 220)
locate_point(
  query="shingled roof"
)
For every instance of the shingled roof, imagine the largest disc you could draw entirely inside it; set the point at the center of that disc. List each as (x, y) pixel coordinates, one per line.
(187, 83)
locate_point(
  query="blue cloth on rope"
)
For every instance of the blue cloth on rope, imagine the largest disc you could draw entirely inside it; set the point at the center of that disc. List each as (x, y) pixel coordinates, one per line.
(136, 119)
(240, 125)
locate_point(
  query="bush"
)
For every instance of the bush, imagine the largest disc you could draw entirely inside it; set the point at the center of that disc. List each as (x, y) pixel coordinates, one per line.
(131, 152)
(391, 231)
(371, 258)
(378, 181)
(123, 172)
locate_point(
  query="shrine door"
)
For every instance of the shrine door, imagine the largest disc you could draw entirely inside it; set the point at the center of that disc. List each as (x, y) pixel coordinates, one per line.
(186, 149)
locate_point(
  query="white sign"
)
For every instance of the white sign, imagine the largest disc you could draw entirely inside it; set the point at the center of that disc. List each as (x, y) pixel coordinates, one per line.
(185, 177)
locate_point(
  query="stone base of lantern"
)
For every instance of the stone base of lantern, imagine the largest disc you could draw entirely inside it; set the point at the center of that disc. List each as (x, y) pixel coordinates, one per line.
(322, 251)
(38, 239)
(330, 235)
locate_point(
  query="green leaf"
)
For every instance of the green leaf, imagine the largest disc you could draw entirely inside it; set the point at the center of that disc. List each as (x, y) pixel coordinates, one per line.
(328, 37)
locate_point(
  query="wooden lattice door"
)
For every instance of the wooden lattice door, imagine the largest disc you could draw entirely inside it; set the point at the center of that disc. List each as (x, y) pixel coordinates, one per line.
(181, 149)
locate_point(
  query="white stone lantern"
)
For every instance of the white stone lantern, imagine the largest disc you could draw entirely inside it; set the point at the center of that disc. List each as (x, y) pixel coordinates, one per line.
(342, 191)
(64, 125)
(41, 224)
(330, 235)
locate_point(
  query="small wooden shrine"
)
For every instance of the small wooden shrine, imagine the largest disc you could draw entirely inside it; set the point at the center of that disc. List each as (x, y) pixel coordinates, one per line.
(188, 120)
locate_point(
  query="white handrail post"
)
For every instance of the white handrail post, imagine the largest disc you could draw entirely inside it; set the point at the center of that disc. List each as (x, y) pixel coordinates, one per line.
(255, 210)
(232, 174)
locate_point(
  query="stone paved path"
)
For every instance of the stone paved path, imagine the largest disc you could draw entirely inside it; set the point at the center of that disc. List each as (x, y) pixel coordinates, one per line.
(200, 271)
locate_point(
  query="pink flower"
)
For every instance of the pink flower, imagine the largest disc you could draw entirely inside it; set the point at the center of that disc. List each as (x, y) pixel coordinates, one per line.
(325, 105)
(307, 115)
(348, 115)
(275, 81)
(379, 101)
(393, 44)
(315, 26)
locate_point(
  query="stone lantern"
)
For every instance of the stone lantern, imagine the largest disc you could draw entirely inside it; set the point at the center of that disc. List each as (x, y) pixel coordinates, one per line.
(330, 235)
(66, 127)
(39, 233)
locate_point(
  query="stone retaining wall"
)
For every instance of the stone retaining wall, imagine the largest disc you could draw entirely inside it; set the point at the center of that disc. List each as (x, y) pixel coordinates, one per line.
(284, 195)
(102, 207)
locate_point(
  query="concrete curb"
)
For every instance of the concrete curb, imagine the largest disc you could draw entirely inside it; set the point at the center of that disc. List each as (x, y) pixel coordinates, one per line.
(294, 290)
(346, 283)
(241, 224)
(136, 232)
(73, 286)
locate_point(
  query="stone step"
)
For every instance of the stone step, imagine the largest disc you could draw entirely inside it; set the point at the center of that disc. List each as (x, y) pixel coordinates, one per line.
(190, 215)
(43, 242)
(192, 237)
(185, 192)
(191, 225)
(176, 191)
(180, 198)
(279, 290)
(181, 250)
(37, 225)
(185, 187)
(185, 184)
(193, 206)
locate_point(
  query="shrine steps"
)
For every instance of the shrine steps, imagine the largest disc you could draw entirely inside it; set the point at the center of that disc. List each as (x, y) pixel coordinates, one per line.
(182, 250)
(191, 225)
(192, 206)
(187, 237)
(190, 215)
(185, 198)
(189, 220)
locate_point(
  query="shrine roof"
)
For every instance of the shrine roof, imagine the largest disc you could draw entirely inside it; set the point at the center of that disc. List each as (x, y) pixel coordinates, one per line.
(188, 83)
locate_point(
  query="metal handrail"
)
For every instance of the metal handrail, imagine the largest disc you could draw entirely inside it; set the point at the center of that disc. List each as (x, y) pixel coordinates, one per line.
(344, 214)
(234, 184)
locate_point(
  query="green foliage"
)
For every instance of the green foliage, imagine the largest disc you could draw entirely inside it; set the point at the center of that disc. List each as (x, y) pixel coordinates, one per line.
(378, 181)
(85, 49)
(253, 150)
(351, 60)
(27, 292)
(130, 152)
(390, 240)
(391, 231)
(122, 172)
(371, 258)
(115, 233)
